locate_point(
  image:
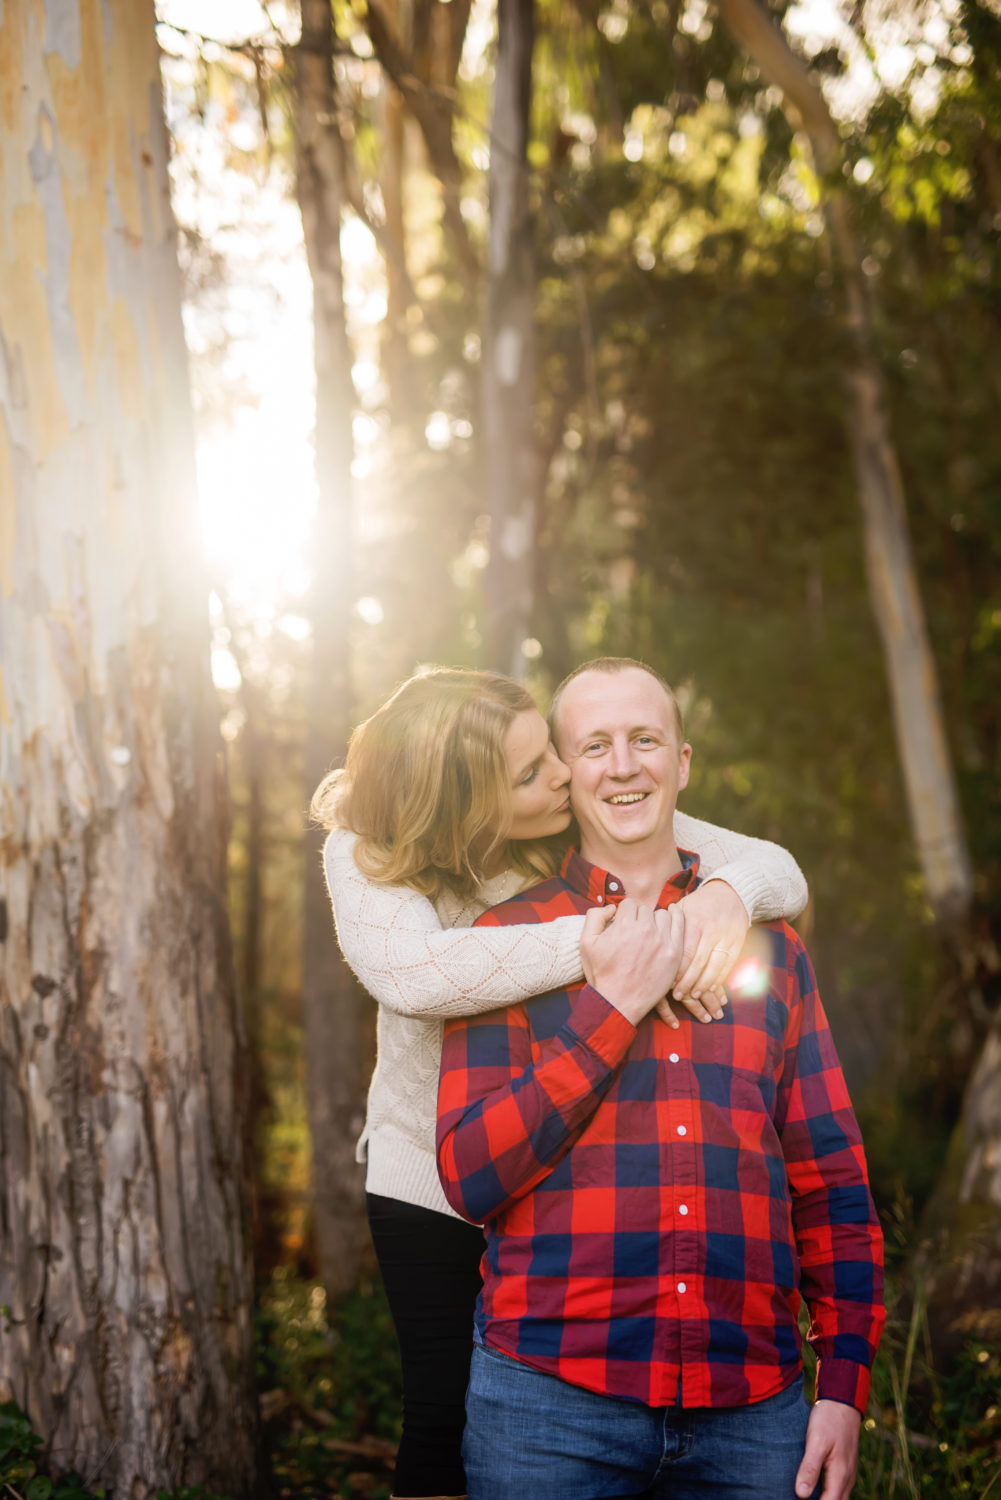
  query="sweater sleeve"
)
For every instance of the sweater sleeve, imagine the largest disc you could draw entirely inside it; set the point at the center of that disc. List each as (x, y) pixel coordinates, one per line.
(765, 876)
(394, 942)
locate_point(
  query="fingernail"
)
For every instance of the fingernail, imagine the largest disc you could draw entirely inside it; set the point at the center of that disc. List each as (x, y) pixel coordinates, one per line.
(707, 1018)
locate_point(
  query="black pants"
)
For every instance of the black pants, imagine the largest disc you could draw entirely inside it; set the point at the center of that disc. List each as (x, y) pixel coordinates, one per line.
(430, 1267)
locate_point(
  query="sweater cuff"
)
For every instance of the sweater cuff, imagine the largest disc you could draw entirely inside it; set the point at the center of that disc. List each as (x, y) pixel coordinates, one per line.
(568, 932)
(845, 1381)
(751, 886)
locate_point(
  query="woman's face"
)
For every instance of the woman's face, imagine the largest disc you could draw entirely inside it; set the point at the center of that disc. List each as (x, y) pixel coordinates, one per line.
(540, 802)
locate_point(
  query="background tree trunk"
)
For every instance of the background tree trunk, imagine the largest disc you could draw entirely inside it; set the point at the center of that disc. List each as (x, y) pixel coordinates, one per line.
(395, 352)
(508, 391)
(337, 1014)
(933, 801)
(124, 1257)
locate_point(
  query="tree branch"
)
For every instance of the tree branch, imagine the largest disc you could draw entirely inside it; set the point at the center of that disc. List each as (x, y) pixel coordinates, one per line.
(433, 109)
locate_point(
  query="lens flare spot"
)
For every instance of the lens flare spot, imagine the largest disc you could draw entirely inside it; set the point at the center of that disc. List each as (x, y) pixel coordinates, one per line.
(749, 980)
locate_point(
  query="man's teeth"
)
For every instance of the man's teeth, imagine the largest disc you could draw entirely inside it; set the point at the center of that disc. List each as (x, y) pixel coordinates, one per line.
(624, 797)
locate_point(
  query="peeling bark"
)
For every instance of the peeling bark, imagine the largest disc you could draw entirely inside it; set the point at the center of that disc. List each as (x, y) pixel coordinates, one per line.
(124, 1252)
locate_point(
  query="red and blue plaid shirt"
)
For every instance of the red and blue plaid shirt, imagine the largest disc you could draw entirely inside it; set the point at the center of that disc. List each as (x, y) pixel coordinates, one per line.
(657, 1201)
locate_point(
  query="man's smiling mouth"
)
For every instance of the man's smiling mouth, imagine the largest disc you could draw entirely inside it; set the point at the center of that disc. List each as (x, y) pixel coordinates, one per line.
(622, 799)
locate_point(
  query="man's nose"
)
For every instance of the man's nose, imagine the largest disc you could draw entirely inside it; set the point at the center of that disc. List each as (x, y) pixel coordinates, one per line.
(622, 759)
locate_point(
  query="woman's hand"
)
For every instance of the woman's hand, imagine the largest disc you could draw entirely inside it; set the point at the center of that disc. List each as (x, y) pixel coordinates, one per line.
(716, 924)
(632, 960)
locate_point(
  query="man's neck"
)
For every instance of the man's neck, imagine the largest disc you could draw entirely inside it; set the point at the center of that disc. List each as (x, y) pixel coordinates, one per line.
(643, 872)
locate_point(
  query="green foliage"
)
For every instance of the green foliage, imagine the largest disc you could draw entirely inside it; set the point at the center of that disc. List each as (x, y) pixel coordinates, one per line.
(20, 1470)
(332, 1388)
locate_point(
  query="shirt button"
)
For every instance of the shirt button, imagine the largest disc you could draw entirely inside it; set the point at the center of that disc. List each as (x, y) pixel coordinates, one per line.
(673, 1057)
(683, 1209)
(682, 1287)
(682, 1130)
(612, 886)
(599, 899)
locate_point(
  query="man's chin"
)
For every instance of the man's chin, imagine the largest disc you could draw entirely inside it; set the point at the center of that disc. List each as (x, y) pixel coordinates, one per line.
(626, 833)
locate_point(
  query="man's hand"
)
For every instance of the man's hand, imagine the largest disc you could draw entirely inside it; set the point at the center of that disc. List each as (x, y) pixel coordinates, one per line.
(632, 961)
(831, 1447)
(716, 925)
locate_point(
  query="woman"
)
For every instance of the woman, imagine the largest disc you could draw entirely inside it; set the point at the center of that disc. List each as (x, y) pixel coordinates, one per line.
(450, 801)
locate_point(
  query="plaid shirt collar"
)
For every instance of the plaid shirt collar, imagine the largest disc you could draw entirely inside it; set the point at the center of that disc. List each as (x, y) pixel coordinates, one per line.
(599, 886)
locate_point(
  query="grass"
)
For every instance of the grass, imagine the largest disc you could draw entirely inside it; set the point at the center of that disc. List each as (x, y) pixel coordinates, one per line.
(930, 1433)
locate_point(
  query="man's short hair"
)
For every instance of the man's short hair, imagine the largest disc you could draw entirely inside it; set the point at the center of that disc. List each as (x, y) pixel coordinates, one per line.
(612, 665)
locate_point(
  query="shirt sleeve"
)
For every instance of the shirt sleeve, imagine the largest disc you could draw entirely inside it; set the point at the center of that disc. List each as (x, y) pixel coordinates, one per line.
(838, 1238)
(765, 876)
(509, 1109)
(394, 942)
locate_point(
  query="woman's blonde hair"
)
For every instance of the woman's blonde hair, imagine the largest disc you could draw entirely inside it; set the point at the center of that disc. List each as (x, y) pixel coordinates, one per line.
(427, 788)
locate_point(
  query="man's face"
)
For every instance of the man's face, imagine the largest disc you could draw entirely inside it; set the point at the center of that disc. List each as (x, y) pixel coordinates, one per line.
(616, 732)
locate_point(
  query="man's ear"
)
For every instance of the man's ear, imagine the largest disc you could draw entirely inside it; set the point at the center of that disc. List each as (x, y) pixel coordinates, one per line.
(684, 766)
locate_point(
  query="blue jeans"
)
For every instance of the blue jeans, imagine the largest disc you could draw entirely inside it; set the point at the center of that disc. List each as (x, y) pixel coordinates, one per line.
(530, 1436)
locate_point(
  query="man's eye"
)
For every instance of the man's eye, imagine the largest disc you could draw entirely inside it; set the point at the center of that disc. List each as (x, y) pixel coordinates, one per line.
(596, 745)
(645, 739)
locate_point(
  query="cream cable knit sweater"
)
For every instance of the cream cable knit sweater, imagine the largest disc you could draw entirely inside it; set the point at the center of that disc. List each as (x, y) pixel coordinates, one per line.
(409, 955)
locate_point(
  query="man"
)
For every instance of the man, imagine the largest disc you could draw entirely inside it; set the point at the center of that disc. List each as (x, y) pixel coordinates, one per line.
(654, 1199)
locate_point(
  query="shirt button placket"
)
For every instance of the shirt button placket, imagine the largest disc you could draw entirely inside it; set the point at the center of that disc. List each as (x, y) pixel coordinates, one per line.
(685, 1230)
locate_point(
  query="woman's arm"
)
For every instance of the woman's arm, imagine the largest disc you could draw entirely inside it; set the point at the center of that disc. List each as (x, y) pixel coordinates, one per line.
(394, 942)
(765, 876)
(744, 880)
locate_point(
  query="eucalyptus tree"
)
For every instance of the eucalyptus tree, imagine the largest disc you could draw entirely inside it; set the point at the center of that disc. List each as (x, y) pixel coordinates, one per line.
(509, 448)
(125, 1273)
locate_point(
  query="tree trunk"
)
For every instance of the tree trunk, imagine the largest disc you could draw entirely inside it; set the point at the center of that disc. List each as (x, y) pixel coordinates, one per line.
(508, 391)
(337, 1014)
(395, 350)
(125, 1271)
(936, 821)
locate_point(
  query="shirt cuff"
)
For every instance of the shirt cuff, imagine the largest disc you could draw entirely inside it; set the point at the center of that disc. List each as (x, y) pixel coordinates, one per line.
(602, 1028)
(843, 1380)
